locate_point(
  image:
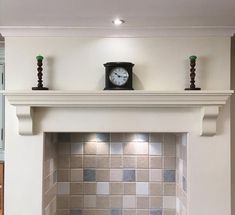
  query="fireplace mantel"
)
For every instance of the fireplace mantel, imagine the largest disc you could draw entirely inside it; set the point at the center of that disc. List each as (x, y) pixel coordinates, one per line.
(208, 101)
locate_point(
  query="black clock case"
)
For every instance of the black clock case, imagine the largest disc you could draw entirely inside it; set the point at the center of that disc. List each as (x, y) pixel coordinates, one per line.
(108, 69)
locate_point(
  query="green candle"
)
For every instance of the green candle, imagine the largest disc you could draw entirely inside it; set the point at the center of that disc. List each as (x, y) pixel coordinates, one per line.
(193, 57)
(39, 57)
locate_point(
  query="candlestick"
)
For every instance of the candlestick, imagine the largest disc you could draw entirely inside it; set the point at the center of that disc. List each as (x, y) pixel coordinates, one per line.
(192, 74)
(39, 74)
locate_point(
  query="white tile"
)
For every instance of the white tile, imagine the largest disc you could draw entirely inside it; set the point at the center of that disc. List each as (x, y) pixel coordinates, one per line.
(155, 148)
(76, 148)
(129, 201)
(142, 188)
(102, 188)
(63, 188)
(155, 175)
(116, 148)
(169, 202)
(141, 148)
(116, 174)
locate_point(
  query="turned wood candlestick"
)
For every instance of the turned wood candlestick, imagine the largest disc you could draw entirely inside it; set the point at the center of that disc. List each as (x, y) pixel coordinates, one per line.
(40, 74)
(192, 74)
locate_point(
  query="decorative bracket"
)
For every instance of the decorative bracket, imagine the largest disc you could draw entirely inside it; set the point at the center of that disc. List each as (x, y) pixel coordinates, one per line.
(208, 101)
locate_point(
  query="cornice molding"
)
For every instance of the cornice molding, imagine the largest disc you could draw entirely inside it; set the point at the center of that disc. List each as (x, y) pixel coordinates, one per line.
(208, 101)
(145, 31)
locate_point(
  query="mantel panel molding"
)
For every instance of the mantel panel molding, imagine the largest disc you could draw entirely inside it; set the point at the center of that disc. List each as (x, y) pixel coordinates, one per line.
(208, 101)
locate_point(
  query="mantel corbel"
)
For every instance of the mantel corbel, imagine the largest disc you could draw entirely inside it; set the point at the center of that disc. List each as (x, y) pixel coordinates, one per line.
(208, 101)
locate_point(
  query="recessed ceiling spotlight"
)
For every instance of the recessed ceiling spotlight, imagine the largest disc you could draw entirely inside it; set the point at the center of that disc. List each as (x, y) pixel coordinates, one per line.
(118, 21)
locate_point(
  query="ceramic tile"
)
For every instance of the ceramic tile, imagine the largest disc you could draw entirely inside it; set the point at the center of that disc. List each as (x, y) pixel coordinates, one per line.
(129, 162)
(130, 188)
(155, 162)
(170, 163)
(129, 148)
(102, 162)
(143, 202)
(102, 202)
(89, 201)
(75, 212)
(142, 148)
(142, 162)
(89, 175)
(169, 189)
(62, 202)
(155, 148)
(169, 202)
(76, 201)
(129, 201)
(76, 188)
(116, 211)
(170, 212)
(116, 188)
(116, 148)
(155, 189)
(63, 188)
(89, 161)
(169, 175)
(90, 137)
(102, 212)
(102, 175)
(155, 175)
(63, 175)
(62, 212)
(142, 175)
(169, 145)
(140, 137)
(102, 188)
(155, 212)
(102, 148)
(76, 137)
(115, 201)
(116, 162)
(63, 137)
(76, 175)
(156, 202)
(89, 211)
(64, 161)
(156, 137)
(102, 137)
(116, 174)
(90, 148)
(128, 175)
(77, 148)
(63, 147)
(129, 212)
(76, 162)
(142, 212)
(142, 188)
(89, 188)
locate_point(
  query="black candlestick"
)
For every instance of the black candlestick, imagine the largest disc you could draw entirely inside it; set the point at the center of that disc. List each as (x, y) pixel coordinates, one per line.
(40, 74)
(192, 74)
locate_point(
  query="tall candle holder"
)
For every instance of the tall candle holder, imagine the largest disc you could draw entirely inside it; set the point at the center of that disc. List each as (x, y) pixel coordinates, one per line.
(192, 74)
(40, 74)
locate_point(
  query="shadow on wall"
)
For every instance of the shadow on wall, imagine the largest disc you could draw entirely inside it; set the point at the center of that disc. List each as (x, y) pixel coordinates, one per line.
(233, 123)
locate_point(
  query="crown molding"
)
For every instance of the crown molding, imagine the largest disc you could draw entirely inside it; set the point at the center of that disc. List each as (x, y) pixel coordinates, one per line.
(62, 31)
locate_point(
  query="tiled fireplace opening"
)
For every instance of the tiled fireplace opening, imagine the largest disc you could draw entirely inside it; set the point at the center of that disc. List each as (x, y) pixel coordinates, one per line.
(115, 174)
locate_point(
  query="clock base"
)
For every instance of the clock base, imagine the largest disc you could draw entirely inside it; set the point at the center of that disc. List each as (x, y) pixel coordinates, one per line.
(118, 88)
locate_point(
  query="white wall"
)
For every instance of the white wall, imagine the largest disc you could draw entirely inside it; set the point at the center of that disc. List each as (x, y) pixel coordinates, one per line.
(161, 64)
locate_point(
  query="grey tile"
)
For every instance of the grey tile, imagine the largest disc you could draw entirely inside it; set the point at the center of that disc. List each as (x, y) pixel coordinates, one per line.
(96, 137)
(64, 137)
(116, 211)
(184, 184)
(155, 212)
(128, 175)
(89, 175)
(75, 212)
(169, 176)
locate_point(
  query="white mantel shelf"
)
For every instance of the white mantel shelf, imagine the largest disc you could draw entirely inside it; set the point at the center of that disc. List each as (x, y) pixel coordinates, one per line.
(208, 101)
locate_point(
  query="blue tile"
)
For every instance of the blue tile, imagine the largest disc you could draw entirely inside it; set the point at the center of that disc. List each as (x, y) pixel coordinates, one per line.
(184, 184)
(116, 211)
(155, 212)
(169, 175)
(128, 175)
(75, 212)
(89, 175)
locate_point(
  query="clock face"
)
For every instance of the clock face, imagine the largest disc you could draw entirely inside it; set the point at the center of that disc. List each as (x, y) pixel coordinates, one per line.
(119, 76)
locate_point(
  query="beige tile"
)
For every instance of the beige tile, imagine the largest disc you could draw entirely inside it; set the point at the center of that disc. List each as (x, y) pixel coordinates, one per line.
(169, 212)
(142, 162)
(63, 161)
(62, 212)
(63, 175)
(102, 202)
(156, 202)
(155, 175)
(121, 137)
(156, 189)
(76, 161)
(90, 148)
(130, 188)
(76, 137)
(155, 162)
(89, 212)
(102, 162)
(116, 162)
(102, 148)
(102, 175)
(89, 161)
(129, 212)
(89, 188)
(156, 137)
(142, 212)
(143, 202)
(102, 212)
(63, 148)
(62, 201)
(89, 137)
(116, 201)
(129, 201)
(76, 188)
(76, 175)
(129, 161)
(169, 189)
(141, 148)
(170, 163)
(76, 201)
(129, 148)
(142, 175)
(115, 174)
(89, 201)
(116, 188)
(169, 145)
